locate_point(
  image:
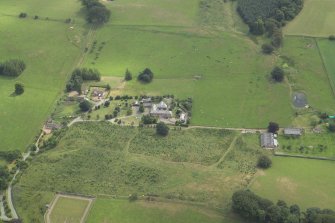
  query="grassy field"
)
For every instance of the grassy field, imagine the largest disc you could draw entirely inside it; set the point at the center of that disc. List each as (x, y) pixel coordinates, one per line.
(305, 69)
(68, 209)
(327, 49)
(122, 211)
(316, 19)
(98, 158)
(308, 183)
(309, 144)
(49, 50)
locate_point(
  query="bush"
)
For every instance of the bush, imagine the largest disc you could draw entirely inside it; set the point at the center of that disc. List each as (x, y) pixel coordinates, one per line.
(23, 15)
(19, 88)
(128, 76)
(36, 17)
(146, 76)
(264, 162)
(85, 106)
(162, 129)
(147, 120)
(132, 197)
(331, 37)
(331, 127)
(277, 74)
(12, 68)
(267, 48)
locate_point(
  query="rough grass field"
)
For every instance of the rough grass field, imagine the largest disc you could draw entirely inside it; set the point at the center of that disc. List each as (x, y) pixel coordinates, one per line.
(308, 183)
(315, 19)
(68, 209)
(49, 50)
(306, 72)
(122, 211)
(94, 158)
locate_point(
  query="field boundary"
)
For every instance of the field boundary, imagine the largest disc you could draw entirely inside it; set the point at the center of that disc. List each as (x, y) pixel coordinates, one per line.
(302, 156)
(90, 200)
(331, 82)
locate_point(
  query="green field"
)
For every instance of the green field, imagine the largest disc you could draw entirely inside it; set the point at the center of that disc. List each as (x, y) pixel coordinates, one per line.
(97, 158)
(305, 69)
(327, 49)
(122, 211)
(49, 49)
(308, 183)
(68, 209)
(315, 19)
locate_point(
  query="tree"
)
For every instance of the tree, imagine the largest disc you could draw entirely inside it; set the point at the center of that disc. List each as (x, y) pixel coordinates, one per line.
(277, 38)
(141, 108)
(273, 127)
(108, 87)
(128, 76)
(331, 127)
(12, 68)
(267, 48)
(146, 76)
(19, 88)
(264, 162)
(98, 15)
(85, 106)
(277, 74)
(162, 129)
(257, 27)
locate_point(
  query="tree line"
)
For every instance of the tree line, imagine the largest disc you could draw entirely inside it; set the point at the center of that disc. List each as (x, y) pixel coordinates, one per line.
(268, 16)
(257, 209)
(96, 12)
(12, 68)
(79, 76)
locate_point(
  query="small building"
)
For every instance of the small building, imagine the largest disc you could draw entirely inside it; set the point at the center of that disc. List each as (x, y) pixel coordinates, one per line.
(292, 131)
(146, 102)
(268, 140)
(50, 126)
(136, 103)
(97, 93)
(182, 117)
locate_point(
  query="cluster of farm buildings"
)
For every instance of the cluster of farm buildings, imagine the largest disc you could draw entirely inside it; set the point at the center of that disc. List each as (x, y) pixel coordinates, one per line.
(269, 140)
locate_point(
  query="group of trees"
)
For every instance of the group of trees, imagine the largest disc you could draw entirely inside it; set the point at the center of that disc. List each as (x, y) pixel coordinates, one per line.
(145, 76)
(257, 209)
(79, 76)
(12, 68)
(97, 13)
(10, 156)
(4, 178)
(268, 16)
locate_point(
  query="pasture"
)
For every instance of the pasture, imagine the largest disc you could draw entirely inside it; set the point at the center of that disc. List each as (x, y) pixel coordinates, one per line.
(308, 183)
(68, 209)
(305, 69)
(315, 19)
(50, 51)
(327, 49)
(177, 55)
(98, 158)
(123, 211)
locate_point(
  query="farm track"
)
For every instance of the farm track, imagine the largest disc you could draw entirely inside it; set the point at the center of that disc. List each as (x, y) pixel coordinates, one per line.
(231, 147)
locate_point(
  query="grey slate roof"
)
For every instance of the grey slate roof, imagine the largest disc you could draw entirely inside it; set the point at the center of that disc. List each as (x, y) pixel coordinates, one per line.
(267, 140)
(293, 131)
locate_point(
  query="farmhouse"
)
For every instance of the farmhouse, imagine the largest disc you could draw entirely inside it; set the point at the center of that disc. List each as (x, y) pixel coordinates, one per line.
(268, 140)
(160, 110)
(292, 132)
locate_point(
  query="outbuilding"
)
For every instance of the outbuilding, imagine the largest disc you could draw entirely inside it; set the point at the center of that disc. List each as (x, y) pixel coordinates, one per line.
(268, 140)
(292, 131)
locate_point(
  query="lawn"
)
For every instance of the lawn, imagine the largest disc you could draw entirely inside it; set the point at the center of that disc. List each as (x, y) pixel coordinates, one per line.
(97, 158)
(49, 51)
(315, 19)
(68, 209)
(308, 183)
(327, 49)
(123, 211)
(306, 72)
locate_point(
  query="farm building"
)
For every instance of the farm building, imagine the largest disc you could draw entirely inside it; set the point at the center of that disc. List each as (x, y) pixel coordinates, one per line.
(97, 93)
(49, 126)
(160, 110)
(147, 103)
(292, 132)
(268, 140)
